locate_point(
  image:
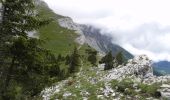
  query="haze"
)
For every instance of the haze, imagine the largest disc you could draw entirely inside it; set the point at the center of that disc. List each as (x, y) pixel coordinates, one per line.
(139, 26)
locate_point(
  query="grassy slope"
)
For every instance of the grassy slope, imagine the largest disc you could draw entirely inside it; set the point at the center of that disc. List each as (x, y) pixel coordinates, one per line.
(58, 39)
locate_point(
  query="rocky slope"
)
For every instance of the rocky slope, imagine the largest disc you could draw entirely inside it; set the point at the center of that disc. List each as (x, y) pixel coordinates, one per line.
(93, 37)
(140, 66)
(133, 81)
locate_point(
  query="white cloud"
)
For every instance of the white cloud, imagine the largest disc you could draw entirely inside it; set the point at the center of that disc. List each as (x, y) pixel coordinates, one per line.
(140, 26)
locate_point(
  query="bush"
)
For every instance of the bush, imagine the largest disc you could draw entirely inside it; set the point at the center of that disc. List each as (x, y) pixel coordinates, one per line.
(150, 90)
(114, 83)
(124, 84)
(129, 92)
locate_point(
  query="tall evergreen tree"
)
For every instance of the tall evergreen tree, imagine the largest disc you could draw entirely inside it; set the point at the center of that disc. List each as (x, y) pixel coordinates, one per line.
(25, 64)
(120, 58)
(92, 56)
(108, 60)
(67, 60)
(75, 62)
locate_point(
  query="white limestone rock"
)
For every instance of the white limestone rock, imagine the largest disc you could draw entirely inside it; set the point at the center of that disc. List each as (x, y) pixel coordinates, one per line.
(140, 66)
(69, 24)
(165, 91)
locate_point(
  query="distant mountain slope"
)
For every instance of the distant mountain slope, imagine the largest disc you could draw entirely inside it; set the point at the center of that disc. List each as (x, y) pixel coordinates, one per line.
(93, 37)
(61, 34)
(162, 67)
(102, 43)
(57, 39)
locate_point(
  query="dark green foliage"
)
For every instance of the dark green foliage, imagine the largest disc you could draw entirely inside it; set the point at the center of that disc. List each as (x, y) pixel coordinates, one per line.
(31, 68)
(26, 67)
(114, 84)
(150, 90)
(126, 86)
(126, 83)
(92, 56)
(120, 58)
(108, 60)
(75, 62)
(67, 58)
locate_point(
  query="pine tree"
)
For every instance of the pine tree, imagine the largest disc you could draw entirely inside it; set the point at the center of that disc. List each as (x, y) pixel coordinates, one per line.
(108, 60)
(67, 60)
(92, 56)
(120, 58)
(75, 62)
(25, 65)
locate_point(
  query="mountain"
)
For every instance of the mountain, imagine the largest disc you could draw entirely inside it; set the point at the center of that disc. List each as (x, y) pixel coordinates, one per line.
(101, 42)
(161, 68)
(57, 39)
(63, 34)
(132, 81)
(94, 38)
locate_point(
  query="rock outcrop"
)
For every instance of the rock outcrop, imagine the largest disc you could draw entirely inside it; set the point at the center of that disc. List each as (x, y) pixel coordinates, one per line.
(139, 70)
(165, 90)
(140, 67)
(93, 37)
(69, 24)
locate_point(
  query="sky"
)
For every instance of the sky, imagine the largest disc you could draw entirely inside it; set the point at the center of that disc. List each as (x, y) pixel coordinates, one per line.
(139, 26)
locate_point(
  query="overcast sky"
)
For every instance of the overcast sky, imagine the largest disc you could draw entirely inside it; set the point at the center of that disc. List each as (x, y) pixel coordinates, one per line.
(140, 26)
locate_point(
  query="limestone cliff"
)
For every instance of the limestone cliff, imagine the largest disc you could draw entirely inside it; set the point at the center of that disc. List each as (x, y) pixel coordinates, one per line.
(93, 37)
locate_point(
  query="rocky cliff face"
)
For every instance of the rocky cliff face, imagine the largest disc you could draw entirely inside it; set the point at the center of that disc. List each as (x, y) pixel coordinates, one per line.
(69, 24)
(102, 43)
(93, 37)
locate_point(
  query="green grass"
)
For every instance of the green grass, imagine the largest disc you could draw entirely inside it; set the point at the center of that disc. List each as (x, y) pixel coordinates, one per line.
(57, 39)
(60, 40)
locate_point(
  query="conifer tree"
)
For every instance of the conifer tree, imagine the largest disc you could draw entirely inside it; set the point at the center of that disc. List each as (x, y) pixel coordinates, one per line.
(75, 62)
(67, 60)
(120, 58)
(108, 60)
(25, 65)
(92, 56)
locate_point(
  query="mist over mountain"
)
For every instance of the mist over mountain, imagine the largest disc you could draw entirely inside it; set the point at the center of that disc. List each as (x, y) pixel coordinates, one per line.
(102, 42)
(135, 25)
(81, 51)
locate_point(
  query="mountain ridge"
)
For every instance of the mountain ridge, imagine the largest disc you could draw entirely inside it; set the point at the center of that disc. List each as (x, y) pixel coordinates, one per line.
(162, 67)
(94, 38)
(94, 83)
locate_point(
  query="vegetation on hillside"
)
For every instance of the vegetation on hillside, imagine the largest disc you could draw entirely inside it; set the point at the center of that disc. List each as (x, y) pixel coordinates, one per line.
(112, 62)
(89, 86)
(30, 64)
(26, 65)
